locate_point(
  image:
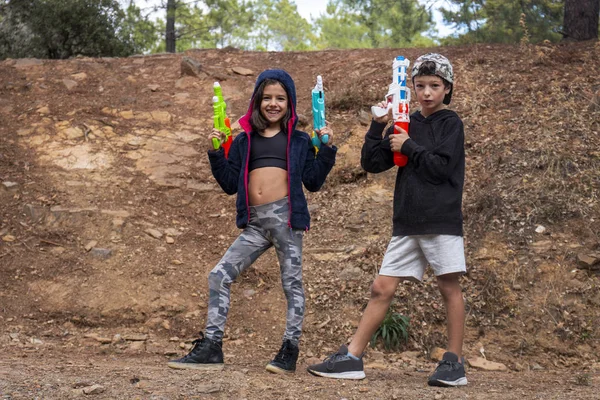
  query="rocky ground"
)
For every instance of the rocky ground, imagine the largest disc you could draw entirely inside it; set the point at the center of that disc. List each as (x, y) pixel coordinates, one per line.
(110, 221)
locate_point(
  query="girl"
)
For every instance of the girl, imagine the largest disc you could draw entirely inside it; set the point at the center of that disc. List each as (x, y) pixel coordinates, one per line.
(267, 166)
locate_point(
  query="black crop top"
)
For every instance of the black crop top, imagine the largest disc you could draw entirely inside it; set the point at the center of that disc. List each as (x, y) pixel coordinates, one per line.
(268, 151)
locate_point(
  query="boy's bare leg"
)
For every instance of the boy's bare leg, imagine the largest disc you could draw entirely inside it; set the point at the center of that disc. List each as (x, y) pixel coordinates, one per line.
(382, 293)
(450, 289)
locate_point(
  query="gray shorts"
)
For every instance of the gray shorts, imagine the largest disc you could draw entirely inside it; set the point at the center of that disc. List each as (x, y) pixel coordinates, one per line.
(408, 256)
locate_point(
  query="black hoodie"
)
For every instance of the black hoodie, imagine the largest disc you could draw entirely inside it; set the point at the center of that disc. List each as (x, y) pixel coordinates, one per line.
(428, 192)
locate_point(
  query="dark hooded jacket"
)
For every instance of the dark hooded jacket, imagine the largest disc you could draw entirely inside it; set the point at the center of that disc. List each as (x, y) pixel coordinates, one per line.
(428, 191)
(303, 167)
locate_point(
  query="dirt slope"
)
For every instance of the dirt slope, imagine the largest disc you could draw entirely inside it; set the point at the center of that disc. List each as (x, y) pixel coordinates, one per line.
(110, 221)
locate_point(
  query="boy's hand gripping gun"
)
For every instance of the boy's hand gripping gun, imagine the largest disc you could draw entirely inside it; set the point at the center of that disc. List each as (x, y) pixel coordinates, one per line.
(221, 122)
(398, 98)
(318, 110)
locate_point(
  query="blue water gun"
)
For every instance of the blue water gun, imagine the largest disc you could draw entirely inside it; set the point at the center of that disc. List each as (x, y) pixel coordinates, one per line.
(318, 109)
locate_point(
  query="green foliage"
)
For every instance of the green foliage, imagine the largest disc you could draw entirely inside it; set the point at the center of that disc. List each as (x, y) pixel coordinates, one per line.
(280, 27)
(501, 21)
(192, 28)
(393, 331)
(388, 23)
(139, 30)
(63, 28)
(209, 24)
(229, 22)
(340, 29)
(16, 37)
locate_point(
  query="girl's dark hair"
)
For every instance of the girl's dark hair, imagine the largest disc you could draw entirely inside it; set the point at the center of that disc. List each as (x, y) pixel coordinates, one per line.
(257, 120)
(428, 69)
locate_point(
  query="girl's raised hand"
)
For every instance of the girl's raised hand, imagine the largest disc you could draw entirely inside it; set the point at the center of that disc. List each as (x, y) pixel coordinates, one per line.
(214, 134)
(326, 130)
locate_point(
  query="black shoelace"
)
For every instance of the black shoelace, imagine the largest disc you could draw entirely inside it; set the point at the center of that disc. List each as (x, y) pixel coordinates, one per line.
(285, 353)
(198, 345)
(446, 365)
(333, 358)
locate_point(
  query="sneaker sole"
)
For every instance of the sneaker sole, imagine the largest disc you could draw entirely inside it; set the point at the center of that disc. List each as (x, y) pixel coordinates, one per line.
(354, 375)
(441, 383)
(276, 370)
(196, 366)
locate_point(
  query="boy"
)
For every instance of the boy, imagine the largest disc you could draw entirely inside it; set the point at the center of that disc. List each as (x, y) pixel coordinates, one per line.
(427, 220)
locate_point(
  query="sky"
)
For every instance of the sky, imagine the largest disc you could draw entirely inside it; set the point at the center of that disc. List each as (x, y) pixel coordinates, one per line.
(311, 9)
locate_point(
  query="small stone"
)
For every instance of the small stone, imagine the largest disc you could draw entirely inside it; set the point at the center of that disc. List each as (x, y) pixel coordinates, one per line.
(587, 261)
(207, 389)
(101, 253)
(242, 71)
(73, 133)
(103, 340)
(377, 365)
(127, 114)
(137, 346)
(10, 185)
(172, 232)
(57, 250)
(24, 132)
(70, 84)
(162, 116)
(82, 384)
(542, 246)
(90, 245)
(170, 240)
(192, 67)
(540, 229)
(536, 367)
(8, 238)
(79, 76)
(486, 365)
(155, 233)
(135, 337)
(153, 87)
(437, 354)
(95, 389)
(43, 110)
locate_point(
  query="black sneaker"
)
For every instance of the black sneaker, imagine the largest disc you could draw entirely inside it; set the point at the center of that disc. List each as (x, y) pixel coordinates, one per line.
(205, 355)
(339, 366)
(449, 372)
(285, 361)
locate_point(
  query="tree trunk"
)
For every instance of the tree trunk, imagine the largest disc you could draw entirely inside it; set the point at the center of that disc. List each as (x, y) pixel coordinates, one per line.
(170, 33)
(581, 19)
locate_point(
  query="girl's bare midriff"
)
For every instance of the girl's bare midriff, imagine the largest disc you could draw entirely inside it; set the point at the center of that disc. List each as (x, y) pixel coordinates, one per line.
(266, 185)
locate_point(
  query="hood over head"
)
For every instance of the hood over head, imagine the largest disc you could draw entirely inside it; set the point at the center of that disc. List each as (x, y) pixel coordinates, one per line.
(288, 83)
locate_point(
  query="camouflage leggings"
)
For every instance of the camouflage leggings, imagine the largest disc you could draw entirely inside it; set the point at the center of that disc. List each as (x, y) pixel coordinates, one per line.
(268, 226)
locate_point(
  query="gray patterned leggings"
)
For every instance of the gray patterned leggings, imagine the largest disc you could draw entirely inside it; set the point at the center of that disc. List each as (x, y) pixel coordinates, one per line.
(268, 226)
